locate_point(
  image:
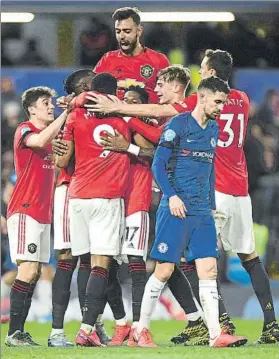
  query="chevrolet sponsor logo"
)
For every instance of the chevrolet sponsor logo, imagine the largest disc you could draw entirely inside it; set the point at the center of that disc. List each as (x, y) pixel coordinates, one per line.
(129, 82)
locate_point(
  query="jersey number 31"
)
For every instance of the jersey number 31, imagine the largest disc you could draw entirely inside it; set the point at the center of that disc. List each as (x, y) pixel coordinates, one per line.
(229, 117)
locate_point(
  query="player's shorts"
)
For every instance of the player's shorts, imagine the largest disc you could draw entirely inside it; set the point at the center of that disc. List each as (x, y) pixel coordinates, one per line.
(234, 223)
(135, 239)
(96, 225)
(61, 218)
(174, 235)
(29, 239)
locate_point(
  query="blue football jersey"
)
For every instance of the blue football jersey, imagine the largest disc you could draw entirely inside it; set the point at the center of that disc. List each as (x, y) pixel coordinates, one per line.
(184, 163)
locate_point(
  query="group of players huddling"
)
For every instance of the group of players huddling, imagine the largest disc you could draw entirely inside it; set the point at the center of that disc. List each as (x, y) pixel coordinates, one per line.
(123, 123)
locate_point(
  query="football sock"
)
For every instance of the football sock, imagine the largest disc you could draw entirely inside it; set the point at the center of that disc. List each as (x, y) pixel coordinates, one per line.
(61, 291)
(27, 305)
(95, 293)
(181, 289)
(222, 308)
(192, 276)
(113, 294)
(210, 304)
(137, 270)
(82, 277)
(151, 294)
(18, 295)
(122, 321)
(261, 285)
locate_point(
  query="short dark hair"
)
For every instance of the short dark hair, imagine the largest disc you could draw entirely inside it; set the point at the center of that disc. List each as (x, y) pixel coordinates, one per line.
(221, 61)
(214, 84)
(30, 96)
(176, 73)
(74, 78)
(104, 83)
(143, 94)
(124, 13)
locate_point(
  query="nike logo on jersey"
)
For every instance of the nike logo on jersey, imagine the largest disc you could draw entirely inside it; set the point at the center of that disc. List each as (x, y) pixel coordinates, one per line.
(188, 140)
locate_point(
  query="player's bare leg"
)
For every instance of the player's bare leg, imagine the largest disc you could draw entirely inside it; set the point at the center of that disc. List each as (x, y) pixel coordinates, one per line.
(152, 292)
(207, 273)
(95, 294)
(20, 298)
(60, 297)
(260, 281)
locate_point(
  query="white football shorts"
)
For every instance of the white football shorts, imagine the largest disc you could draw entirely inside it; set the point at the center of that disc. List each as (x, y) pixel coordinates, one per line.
(29, 240)
(234, 223)
(135, 239)
(96, 225)
(61, 218)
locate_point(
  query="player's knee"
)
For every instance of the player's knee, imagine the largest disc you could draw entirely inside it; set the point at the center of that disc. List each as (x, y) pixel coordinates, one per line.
(28, 271)
(63, 254)
(163, 271)
(100, 261)
(249, 264)
(85, 259)
(207, 269)
(247, 257)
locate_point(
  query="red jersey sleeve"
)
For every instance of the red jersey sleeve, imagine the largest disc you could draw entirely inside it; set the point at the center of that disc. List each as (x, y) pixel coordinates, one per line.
(79, 100)
(151, 133)
(22, 135)
(188, 104)
(68, 133)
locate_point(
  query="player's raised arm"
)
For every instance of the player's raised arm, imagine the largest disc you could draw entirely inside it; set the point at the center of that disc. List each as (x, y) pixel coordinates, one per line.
(68, 141)
(104, 105)
(40, 140)
(118, 143)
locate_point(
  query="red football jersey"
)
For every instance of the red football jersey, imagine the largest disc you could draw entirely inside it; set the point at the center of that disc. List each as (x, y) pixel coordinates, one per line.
(34, 188)
(230, 161)
(98, 173)
(139, 192)
(65, 175)
(140, 70)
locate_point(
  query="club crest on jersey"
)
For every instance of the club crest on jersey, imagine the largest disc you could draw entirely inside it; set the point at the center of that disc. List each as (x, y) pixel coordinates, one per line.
(146, 71)
(213, 142)
(163, 247)
(169, 135)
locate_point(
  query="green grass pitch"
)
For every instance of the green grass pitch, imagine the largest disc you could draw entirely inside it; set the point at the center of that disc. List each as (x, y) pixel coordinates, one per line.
(162, 332)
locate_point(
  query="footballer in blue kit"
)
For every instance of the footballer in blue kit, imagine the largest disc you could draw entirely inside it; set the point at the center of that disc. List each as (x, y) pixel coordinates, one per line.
(183, 165)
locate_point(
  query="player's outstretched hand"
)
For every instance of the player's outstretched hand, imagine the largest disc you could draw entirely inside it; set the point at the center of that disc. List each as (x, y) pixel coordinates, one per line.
(101, 103)
(115, 142)
(177, 207)
(59, 147)
(63, 102)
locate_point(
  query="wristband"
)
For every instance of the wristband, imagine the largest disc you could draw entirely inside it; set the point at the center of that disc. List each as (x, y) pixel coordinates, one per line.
(133, 149)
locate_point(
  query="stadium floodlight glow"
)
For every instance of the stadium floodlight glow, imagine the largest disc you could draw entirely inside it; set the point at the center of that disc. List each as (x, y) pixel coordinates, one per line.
(16, 17)
(187, 16)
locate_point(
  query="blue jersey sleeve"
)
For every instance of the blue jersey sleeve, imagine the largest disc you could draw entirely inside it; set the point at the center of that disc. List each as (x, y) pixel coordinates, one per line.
(168, 141)
(212, 188)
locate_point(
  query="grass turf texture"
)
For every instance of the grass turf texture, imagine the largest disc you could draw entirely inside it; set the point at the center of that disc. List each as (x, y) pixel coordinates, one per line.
(162, 332)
